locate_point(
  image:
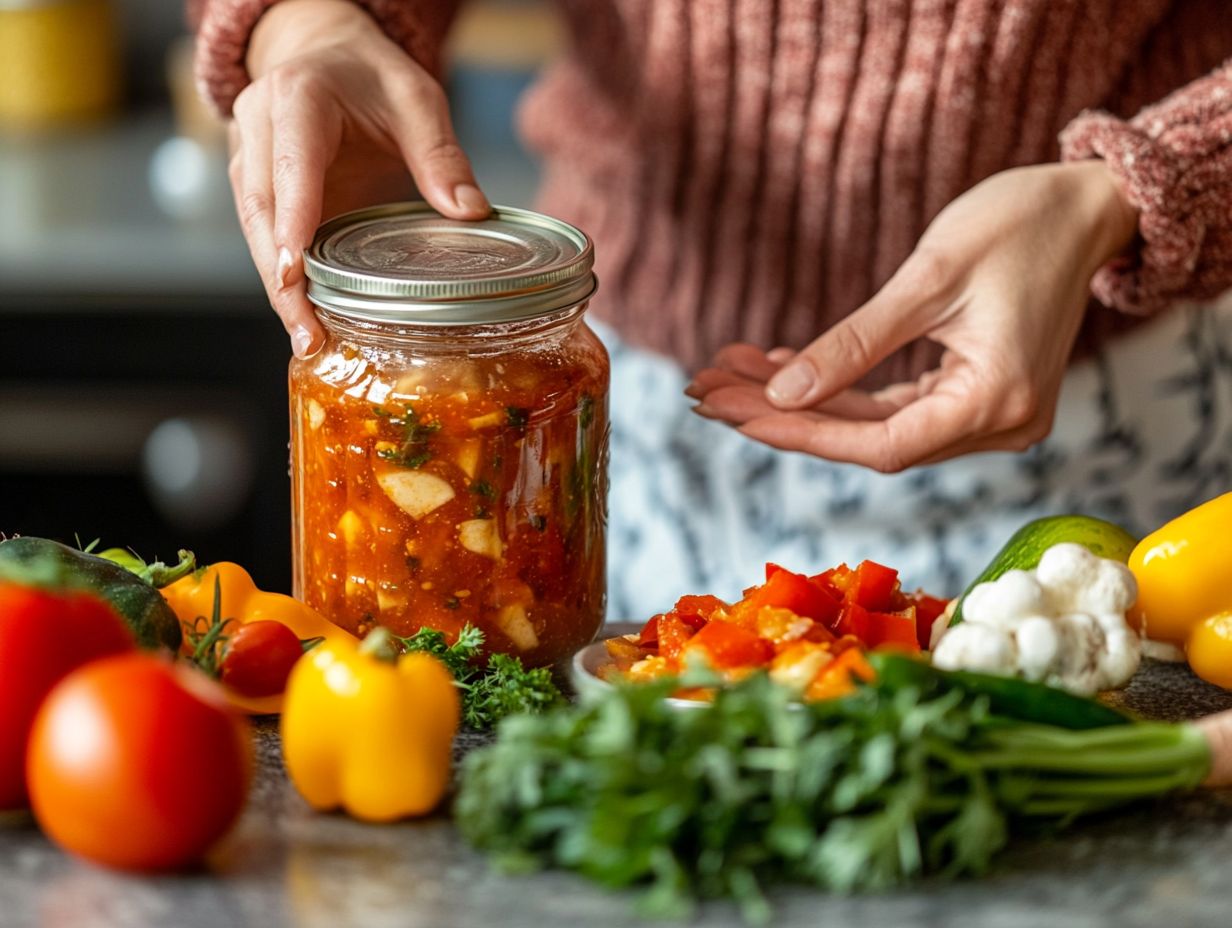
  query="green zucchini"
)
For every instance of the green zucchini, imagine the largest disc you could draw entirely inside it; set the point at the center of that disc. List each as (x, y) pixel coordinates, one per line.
(1027, 545)
(42, 562)
(1008, 697)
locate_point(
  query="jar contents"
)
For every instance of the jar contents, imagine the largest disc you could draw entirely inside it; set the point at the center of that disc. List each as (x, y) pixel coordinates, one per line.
(455, 491)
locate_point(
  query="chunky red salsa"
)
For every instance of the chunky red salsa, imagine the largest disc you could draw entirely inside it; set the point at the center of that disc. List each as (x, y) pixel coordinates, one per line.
(455, 490)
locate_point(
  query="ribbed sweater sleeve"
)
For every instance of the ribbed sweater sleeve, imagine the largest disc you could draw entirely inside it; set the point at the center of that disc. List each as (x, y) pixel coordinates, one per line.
(1173, 162)
(226, 25)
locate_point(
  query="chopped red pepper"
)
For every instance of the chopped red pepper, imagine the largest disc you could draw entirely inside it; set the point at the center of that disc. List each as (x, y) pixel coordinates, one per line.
(854, 620)
(874, 587)
(836, 581)
(787, 590)
(928, 609)
(704, 607)
(895, 630)
(649, 636)
(730, 645)
(875, 629)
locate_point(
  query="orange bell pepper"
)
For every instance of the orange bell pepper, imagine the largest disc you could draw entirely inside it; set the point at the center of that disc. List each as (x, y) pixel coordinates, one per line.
(192, 600)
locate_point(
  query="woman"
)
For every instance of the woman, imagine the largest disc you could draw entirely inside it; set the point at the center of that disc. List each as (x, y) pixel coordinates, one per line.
(911, 199)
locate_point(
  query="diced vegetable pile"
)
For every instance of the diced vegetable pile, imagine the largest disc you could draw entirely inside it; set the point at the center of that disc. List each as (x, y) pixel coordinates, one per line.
(810, 633)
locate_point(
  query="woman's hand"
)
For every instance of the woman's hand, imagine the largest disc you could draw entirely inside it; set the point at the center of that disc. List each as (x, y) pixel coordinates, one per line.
(334, 117)
(1000, 279)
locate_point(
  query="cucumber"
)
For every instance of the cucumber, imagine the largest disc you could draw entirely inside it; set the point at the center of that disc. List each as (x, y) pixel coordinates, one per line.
(1024, 550)
(1007, 697)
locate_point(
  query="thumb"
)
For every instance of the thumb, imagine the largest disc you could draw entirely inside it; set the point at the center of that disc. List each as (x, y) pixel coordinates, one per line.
(423, 131)
(899, 313)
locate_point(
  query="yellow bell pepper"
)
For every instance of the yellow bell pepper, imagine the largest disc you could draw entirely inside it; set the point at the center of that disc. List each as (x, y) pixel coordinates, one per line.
(370, 732)
(192, 600)
(1184, 574)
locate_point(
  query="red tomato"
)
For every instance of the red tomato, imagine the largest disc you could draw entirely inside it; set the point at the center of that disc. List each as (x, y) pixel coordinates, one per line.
(138, 763)
(786, 590)
(874, 586)
(43, 636)
(730, 645)
(259, 657)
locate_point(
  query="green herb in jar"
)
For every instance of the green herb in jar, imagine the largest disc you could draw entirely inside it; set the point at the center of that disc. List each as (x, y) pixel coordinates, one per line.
(482, 488)
(415, 450)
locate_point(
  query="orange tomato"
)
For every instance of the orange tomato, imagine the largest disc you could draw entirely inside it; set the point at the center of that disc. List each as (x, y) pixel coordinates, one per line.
(137, 763)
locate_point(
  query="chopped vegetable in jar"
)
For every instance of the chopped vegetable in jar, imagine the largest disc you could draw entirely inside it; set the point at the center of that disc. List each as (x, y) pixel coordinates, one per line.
(472, 492)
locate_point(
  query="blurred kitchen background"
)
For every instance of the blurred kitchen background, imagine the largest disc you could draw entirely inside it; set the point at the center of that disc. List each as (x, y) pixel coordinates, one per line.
(142, 373)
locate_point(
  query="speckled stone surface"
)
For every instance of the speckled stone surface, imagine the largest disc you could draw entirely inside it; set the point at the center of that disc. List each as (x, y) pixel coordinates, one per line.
(1166, 863)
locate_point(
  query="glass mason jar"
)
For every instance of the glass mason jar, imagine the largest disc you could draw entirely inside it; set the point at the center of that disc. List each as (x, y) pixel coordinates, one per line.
(449, 443)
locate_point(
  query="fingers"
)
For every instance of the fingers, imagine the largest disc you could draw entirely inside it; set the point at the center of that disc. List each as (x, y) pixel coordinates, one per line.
(919, 431)
(952, 419)
(735, 399)
(423, 131)
(252, 181)
(305, 138)
(747, 360)
(906, 308)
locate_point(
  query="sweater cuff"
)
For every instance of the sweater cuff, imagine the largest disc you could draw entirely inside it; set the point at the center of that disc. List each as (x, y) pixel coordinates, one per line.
(226, 27)
(1172, 163)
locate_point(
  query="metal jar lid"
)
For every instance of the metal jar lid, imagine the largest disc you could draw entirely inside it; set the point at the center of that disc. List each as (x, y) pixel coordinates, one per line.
(405, 263)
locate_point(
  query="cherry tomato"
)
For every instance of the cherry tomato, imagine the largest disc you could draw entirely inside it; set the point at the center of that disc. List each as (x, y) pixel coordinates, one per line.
(259, 657)
(43, 636)
(138, 763)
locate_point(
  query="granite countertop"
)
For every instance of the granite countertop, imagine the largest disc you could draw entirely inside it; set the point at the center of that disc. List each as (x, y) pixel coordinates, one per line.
(1162, 863)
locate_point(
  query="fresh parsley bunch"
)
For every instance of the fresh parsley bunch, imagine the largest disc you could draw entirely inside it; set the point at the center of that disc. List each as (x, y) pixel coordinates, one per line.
(912, 775)
(490, 692)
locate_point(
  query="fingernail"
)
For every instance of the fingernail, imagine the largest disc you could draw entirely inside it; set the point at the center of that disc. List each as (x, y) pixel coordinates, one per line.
(286, 261)
(301, 341)
(703, 410)
(471, 198)
(791, 384)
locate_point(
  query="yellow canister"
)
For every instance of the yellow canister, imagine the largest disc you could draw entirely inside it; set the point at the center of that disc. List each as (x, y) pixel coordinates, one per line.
(59, 63)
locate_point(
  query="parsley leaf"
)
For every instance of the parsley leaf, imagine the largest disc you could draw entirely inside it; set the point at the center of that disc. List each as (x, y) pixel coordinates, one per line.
(483, 489)
(905, 777)
(500, 688)
(415, 450)
(506, 688)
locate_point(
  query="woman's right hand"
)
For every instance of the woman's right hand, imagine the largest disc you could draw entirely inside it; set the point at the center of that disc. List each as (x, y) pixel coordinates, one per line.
(335, 116)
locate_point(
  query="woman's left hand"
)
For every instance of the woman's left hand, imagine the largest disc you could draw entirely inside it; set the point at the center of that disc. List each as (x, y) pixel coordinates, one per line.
(1000, 279)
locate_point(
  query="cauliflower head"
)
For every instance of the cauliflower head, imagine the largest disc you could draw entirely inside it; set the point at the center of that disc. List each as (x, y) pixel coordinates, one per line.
(1062, 623)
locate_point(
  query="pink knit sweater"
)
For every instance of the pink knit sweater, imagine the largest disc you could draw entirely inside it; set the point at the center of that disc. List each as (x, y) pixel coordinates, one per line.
(755, 169)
